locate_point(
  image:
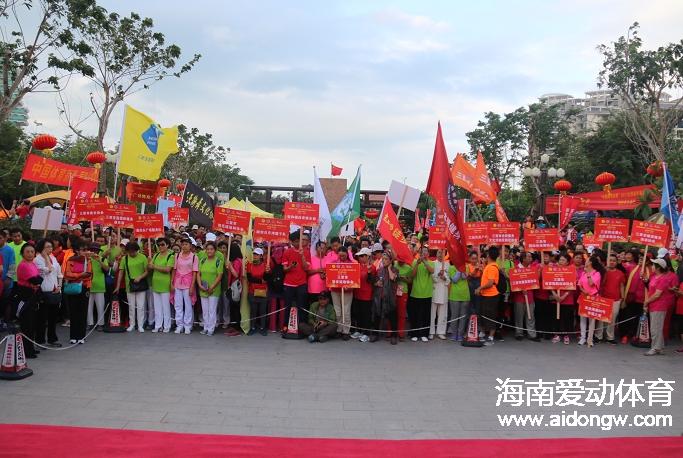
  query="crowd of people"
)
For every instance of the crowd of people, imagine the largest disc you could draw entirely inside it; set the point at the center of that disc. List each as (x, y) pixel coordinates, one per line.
(193, 279)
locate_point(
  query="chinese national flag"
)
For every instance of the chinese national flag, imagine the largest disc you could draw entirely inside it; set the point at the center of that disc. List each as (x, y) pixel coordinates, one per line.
(335, 171)
(442, 190)
(390, 230)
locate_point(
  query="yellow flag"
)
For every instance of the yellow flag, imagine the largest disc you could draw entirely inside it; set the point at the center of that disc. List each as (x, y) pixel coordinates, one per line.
(145, 145)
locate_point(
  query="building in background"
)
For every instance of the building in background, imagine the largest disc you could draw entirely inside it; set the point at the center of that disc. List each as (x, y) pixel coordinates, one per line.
(19, 116)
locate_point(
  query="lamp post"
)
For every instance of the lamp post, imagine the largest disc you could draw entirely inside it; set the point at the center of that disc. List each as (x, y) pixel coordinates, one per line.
(539, 177)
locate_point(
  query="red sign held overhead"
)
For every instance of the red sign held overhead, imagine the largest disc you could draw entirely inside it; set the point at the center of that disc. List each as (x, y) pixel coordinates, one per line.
(596, 307)
(302, 213)
(652, 234)
(142, 192)
(437, 238)
(524, 278)
(476, 233)
(148, 226)
(559, 277)
(230, 220)
(611, 229)
(178, 216)
(342, 275)
(90, 208)
(589, 241)
(541, 239)
(119, 215)
(503, 233)
(271, 230)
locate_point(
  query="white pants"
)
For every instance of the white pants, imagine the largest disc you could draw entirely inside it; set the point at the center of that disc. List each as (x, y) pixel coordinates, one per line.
(344, 317)
(162, 310)
(151, 314)
(616, 306)
(594, 328)
(209, 308)
(184, 315)
(97, 299)
(440, 315)
(657, 330)
(136, 307)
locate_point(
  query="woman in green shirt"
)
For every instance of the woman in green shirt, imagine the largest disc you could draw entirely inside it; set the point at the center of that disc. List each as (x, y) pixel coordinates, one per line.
(98, 287)
(209, 284)
(458, 302)
(133, 271)
(420, 302)
(161, 266)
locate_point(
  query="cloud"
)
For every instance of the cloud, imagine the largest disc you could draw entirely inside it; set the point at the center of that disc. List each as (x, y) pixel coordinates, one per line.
(414, 21)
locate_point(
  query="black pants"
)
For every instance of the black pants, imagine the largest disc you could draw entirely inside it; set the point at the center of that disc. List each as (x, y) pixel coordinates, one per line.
(258, 306)
(544, 314)
(629, 328)
(419, 311)
(488, 308)
(78, 309)
(567, 313)
(306, 329)
(297, 295)
(363, 315)
(28, 316)
(46, 318)
(380, 324)
(235, 314)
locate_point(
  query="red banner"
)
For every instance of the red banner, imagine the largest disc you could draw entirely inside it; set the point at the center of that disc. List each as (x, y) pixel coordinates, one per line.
(48, 171)
(390, 229)
(596, 307)
(651, 234)
(541, 239)
(230, 220)
(616, 199)
(524, 278)
(302, 213)
(178, 216)
(142, 192)
(611, 229)
(271, 230)
(119, 215)
(80, 189)
(90, 208)
(559, 277)
(148, 226)
(589, 241)
(476, 233)
(437, 238)
(569, 206)
(342, 275)
(503, 233)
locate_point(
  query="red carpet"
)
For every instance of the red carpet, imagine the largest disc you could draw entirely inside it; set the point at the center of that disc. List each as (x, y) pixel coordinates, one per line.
(58, 441)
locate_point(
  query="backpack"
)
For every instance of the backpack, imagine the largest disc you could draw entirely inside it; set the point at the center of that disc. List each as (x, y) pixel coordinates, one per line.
(276, 279)
(503, 284)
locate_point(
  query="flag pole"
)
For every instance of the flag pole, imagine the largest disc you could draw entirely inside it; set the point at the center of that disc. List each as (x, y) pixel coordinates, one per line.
(666, 184)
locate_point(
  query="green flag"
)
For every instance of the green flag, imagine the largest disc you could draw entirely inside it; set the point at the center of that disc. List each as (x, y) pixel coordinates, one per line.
(348, 208)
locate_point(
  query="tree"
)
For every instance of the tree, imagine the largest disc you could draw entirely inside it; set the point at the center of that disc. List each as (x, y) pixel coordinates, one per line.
(205, 163)
(28, 54)
(641, 78)
(127, 56)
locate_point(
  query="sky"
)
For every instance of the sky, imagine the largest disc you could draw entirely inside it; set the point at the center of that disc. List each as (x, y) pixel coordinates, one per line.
(292, 85)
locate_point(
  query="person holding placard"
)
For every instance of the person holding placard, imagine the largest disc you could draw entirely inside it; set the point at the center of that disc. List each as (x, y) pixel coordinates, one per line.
(296, 286)
(209, 283)
(589, 284)
(566, 299)
(362, 297)
(184, 277)
(420, 301)
(384, 298)
(77, 281)
(614, 288)
(161, 266)
(458, 303)
(343, 310)
(544, 310)
(440, 284)
(51, 271)
(489, 294)
(660, 297)
(258, 293)
(523, 319)
(97, 287)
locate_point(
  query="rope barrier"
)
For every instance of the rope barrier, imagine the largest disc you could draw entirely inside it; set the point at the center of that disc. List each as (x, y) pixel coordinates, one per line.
(551, 332)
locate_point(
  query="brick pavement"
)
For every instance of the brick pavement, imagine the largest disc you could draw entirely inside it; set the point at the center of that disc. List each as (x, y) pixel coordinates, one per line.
(269, 386)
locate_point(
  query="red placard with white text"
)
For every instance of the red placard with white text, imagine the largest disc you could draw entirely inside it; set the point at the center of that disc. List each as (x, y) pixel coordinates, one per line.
(270, 230)
(523, 278)
(652, 234)
(178, 216)
(148, 226)
(476, 233)
(90, 208)
(119, 215)
(559, 277)
(230, 220)
(342, 275)
(503, 233)
(437, 238)
(589, 241)
(541, 239)
(302, 213)
(596, 307)
(611, 229)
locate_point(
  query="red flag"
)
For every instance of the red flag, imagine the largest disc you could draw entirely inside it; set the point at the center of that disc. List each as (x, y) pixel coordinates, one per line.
(568, 206)
(390, 230)
(359, 225)
(80, 189)
(482, 183)
(335, 171)
(500, 212)
(462, 173)
(442, 190)
(418, 224)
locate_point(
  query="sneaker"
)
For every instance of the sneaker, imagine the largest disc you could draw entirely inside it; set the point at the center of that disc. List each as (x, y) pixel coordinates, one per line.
(652, 351)
(556, 339)
(363, 338)
(54, 344)
(155, 330)
(100, 328)
(263, 332)
(224, 326)
(612, 342)
(582, 341)
(481, 334)
(459, 339)
(81, 341)
(424, 339)
(323, 339)
(413, 339)
(566, 340)
(431, 336)
(167, 330)
(373, 338)
(178, 330)
(73, 341)
(203, 332)
(141, 329)
(441, 337)
(130, 328)
(251, 332)
(356, 335)
(188, 330)
(209, 333)
(311, 338)
(66, 324)
(489, 341)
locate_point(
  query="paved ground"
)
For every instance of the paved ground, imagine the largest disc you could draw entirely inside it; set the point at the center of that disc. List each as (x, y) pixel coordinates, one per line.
(268, 386)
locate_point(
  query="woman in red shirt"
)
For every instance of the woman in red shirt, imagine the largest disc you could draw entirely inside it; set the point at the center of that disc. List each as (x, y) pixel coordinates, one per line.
(614, 287)
(567, 301)
(544, 310)
(362, 297)
(660, 298)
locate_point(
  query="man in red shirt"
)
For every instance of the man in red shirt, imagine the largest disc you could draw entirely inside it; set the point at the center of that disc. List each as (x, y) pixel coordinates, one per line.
(613, 288)
(295, 283)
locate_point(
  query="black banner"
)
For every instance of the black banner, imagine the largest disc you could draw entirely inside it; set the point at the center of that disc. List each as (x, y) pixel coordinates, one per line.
(200, 204)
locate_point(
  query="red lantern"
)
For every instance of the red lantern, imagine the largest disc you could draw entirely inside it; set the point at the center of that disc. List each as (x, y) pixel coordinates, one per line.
(655, 169)
(372, 213)
(96, 158)
(605, 179)
(45, 143)
(562, 186)
(164, 183)
(180, 187)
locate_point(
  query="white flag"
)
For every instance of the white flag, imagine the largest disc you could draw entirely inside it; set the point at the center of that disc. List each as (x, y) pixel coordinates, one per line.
(325, 221)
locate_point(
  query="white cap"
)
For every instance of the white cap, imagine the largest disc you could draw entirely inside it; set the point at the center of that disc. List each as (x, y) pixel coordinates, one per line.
(258, 251)
(195, 227)
(193, 241)
(210, 237)
(660, 262)
(124, 242)
(377, 247)
(364, 252)
(662, 252)
(57, 206)
(74, 227)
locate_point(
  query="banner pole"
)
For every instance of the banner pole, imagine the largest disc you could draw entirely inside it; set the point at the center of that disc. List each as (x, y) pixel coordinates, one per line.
(343, 307)
(301, 237)
(149, 246)
(528, 309)
(609, 250)
(642, 267)
(47, 221)
(268, 257)
(558, 304)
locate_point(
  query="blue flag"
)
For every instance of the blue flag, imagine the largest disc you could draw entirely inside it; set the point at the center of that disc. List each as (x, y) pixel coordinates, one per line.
(669, 205)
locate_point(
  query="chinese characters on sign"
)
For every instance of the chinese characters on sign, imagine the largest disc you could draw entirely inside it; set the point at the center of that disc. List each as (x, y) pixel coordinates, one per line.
(437, 238)
(503, 233)
(541, 239)
(611, 229)
(44, 170)
(476, 233)
(559, 277)
(230, 220)
(119, 215)
(148, 226)
(90, 208)
(142, 192)
(270, 230)
(302, 213)
(342, 275)
(652, 234)
(595, 307)
(523, 278)
(178, 216)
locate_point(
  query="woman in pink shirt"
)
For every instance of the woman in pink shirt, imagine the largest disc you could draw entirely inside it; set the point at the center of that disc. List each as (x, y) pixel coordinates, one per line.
(184, 278)
(660, 298)
(28, 284)
(589, 284)
(316, 272)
